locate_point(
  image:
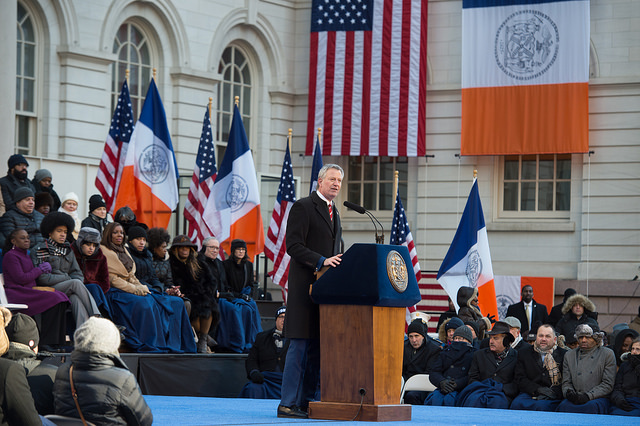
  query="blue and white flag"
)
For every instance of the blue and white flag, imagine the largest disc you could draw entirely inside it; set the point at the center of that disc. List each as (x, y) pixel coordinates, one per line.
(316, 166)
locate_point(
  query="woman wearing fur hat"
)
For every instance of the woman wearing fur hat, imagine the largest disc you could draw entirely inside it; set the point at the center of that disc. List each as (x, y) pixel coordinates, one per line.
(65, 274)
(578, 309)
(20, 282)
(70, 207)
(195, 282)
(151, 325)
(467, 299)
(108, 394)
(93, 265)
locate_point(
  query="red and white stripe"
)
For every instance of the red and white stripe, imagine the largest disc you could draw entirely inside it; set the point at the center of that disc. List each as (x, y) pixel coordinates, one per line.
(275, 247)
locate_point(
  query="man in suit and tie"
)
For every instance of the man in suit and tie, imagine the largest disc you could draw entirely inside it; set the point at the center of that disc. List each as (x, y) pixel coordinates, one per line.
(530, 313)
(313, 242)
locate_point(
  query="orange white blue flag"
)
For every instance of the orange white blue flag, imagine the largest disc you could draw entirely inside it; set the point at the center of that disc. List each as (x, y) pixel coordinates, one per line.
(468, 261)
(525, 77)
(149, 182)
(233, 209)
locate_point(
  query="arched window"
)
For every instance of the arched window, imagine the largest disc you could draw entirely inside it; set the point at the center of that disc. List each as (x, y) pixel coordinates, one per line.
(134, 54)
(26, 83)
(236, 81)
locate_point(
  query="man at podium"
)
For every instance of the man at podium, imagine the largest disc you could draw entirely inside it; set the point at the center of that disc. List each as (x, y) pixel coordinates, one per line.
(313, 242)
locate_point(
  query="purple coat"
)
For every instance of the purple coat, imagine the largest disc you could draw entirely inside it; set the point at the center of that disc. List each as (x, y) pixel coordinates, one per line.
(20, 278)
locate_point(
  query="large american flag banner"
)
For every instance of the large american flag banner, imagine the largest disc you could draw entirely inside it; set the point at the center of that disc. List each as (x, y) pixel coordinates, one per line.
(115, 149)
(275, 246)
(367, 77)
(204, 174)
(401, 236)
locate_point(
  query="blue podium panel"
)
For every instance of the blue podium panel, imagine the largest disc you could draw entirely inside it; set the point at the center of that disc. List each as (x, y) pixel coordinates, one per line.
(369, 274)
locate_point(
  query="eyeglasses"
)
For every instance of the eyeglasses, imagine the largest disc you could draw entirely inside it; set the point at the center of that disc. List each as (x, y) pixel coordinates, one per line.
(213, 247)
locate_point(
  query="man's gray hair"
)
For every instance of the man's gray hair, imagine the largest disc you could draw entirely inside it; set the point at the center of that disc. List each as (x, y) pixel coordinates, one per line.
(206, 240)
(323, 171)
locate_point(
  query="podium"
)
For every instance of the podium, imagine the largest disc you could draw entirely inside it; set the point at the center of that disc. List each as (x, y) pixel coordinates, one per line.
(362, 320)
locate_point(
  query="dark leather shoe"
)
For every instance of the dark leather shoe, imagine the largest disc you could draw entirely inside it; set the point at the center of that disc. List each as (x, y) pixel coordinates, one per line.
(291, 412)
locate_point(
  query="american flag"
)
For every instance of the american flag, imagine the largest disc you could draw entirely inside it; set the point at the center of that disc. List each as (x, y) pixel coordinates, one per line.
(367, 77)
(204, 174)
(401, 236)
(115, 149)
(275, 246)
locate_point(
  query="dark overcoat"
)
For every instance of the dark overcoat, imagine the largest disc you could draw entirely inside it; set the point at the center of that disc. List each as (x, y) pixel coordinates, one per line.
(539, 316)
(531, 374)
(311, 235)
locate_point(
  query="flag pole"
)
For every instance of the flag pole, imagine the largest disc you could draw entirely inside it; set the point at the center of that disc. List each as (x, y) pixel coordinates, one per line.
(289, 139)
(236, 100)
(126, 74)
(320, 136)
(154, 74)
(475, 174)
(396, 175)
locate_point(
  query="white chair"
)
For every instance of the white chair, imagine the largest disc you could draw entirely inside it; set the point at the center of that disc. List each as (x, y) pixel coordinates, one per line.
(3, 299)
(418, 382)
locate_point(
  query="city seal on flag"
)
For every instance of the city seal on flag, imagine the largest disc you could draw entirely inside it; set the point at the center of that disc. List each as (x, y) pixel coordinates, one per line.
(237, 193)
(474, 268)
(154, 164)
(397, 271)
(526, 44)
(503, 304)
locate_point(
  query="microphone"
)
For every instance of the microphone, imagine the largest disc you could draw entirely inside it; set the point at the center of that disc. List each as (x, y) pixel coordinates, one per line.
(374, 220)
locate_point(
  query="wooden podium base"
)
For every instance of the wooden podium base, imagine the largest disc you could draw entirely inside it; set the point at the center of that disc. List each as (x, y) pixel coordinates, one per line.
(368, 413)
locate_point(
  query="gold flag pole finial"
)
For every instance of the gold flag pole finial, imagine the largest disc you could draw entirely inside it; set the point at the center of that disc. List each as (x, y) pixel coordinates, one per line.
(475, 174)
(154, 73)
(320, 135)
(126, 74)
(396, 178)
(209, 106)
(289, 138)
(236, 100)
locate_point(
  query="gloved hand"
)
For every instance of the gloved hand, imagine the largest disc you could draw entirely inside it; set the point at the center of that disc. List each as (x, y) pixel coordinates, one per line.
(448, 385)
(491, 318)
(141, 290)
(582, 398)
(621, 402)
(545, 393)
(256, 376)
(45, 267)
(572, 396)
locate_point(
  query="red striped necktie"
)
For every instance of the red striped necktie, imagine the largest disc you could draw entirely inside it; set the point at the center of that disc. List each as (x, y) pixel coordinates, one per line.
(330, 211)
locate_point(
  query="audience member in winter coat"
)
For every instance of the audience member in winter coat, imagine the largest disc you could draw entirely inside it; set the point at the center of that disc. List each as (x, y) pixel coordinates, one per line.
(626, 389)
(556, 311)
(447, 329)
(420, 354)
(70, 206)
(108, 394)
(622, 344)
(97, 217)
(467, 299)
(578, 309)
(94, 266)
(42, 183)
(22, 215)
(15, 179)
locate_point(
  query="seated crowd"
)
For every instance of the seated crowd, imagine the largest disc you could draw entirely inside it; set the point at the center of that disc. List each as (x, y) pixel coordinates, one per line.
(565, 367)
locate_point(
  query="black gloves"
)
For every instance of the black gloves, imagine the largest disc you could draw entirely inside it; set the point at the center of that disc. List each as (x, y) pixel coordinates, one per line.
(545, 393)
(582, 398)
(256, 376)
(491, 318)
(571, 396)
(448, 385)
(623, 404)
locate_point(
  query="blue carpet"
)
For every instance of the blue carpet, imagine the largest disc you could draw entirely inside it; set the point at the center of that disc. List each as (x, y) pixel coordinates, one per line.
(176, 410)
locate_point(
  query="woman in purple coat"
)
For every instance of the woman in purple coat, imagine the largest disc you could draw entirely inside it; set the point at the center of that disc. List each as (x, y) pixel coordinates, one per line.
(20, 275)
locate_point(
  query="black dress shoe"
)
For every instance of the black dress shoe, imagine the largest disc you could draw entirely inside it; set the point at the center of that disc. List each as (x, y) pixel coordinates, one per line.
(291, 412)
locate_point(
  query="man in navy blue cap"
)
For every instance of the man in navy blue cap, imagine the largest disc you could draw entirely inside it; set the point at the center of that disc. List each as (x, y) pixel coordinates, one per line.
(16, 178)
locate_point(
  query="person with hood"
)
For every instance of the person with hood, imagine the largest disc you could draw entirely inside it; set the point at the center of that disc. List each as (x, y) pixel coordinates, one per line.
(588, 374)
(16, 178)
(24, 338)
(578, 309)
(107, 392)
(97, 217)
(467, 299)
(450, 313)
(447, 329)
(626, 389)
(42, 183)
(16, 403)
(22, 215)
(622, 344)
(93, 265)
(49, 307)
(556, 311)
(450, 371)
(195, 282)
(491, 375)
(240, 320)
(65, 274)
(150, 325)
(420, 354)
(539, 373)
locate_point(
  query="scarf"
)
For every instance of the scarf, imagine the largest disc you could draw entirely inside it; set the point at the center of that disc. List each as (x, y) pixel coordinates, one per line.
(550, 364)
(502, 355)
(123, 257)
(277, 340)
(56, 249)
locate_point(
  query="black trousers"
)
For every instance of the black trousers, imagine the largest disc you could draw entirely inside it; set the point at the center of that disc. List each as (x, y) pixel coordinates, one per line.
(52, 325)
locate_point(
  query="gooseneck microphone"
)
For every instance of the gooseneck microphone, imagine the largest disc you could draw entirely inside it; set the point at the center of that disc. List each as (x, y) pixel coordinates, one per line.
(374, 220)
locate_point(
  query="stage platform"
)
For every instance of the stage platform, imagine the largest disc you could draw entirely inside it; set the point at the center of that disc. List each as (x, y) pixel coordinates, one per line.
(169, 411)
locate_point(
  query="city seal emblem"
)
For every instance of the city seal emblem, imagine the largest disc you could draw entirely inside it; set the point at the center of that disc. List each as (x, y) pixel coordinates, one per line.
(397, 271)
(154, 164)
(237, 193)
(474, 268)
(526, 44)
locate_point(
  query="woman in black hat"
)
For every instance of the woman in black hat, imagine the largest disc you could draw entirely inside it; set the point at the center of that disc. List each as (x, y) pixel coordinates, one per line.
(97, 218)
(239, 271)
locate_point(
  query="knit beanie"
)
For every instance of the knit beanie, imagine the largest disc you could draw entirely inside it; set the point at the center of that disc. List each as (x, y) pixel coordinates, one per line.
(96, 201)
(454, 323)
(136, 232)
(70, 196)
(42, 174)
(417, 326)
(97, 335)
(22, 193)
(281, 310)
(16, 159)
(464, 332)
(23, 329)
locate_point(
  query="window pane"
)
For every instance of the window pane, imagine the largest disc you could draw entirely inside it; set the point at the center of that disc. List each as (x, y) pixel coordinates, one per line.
(528, 196)
(563, 168)
(355, 169)
(529, 167)
(402, 188)
(386, 168)
(246, 105)
(563, 196)
(402, 165)
(387, 200)
(370, 168)
(29, 95)
(369, 196)
(121, 36)
(21, 12)
(27, 31)
(511, 165)
(545, 196)
(237, 76)
(18, 94)
(145, 57)
(246, 75)
(353, 192)
(133, 55)
(546, 168)
(19, 59)
(510, 202)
